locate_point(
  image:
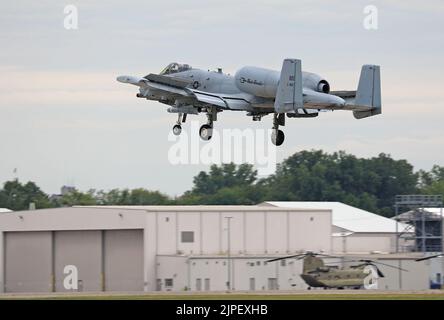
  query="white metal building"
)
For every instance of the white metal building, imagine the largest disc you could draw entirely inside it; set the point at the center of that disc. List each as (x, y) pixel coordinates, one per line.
(253, 273)
(148, 248)
(355, 230)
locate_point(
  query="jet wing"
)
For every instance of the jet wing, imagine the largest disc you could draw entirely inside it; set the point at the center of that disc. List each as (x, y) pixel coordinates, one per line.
(170, 81)
(209, 98)
(234, 102)
(171, 86)
(168, 89)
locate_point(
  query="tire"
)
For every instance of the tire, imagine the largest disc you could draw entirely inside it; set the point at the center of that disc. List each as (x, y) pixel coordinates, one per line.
(177, 129)
(277, 137)
(206, 132)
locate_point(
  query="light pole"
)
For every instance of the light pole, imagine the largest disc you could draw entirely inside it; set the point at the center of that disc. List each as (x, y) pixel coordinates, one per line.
(228, 254)
(442, 246)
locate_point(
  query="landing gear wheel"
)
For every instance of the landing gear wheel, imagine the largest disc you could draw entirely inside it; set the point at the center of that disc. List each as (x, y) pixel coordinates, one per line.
(177, 129)
(277, 137)
(206, 132)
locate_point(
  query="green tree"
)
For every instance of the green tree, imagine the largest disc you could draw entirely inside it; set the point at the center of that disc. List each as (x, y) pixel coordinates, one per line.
(436, 188)
(145, 197)
(76, 198)
(18, 196)
(137, 196)
(426, 179)
(370, 184)
(224, 184)
(224, 176)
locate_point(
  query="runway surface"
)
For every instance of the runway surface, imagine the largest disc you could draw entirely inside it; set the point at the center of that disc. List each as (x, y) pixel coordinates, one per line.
(263, 295)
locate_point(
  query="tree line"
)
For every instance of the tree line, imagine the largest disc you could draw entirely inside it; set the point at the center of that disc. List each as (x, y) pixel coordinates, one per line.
(367, 183)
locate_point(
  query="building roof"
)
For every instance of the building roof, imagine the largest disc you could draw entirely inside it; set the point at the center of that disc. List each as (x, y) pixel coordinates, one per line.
(4, 210)
(347, 217)
(429, 214)
(436, 211)
(361, 255)
(193, 208)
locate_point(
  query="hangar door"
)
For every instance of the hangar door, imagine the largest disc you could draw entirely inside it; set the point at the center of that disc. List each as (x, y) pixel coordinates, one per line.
(110, 260)
(28, 261)
(83, 250)
(123, 267)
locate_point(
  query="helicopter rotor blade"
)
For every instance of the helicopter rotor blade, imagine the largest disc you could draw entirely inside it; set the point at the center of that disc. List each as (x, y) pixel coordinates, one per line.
(385, 264)
(286, 257)
(368, 261)
(430, 257)
(326, 255)
(301, 256)
(378, 271)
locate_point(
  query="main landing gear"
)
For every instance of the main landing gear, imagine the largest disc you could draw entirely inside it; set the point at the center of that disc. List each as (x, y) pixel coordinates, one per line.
(206, 130)
(277, 136)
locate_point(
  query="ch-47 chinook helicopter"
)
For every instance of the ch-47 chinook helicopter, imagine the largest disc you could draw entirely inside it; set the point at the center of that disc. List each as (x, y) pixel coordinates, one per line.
(256, 91)
(318, 275)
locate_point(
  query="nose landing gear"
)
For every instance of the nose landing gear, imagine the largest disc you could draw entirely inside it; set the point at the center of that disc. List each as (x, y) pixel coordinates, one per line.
(177, 129)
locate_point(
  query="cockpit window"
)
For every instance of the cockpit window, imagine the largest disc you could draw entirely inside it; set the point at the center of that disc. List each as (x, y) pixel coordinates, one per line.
(174, 68)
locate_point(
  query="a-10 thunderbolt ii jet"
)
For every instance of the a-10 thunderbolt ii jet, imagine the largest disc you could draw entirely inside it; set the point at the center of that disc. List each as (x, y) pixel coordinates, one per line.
(256, 91)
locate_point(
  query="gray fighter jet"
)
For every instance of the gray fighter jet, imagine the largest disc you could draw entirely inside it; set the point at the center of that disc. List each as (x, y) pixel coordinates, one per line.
(258, 92)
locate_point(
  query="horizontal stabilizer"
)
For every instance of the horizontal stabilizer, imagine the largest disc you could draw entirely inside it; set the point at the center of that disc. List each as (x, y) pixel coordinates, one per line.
(344, 94)
(289, 92)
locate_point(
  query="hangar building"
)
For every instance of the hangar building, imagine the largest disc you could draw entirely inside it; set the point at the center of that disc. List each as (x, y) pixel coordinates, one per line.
(356, 230)
(175, 248)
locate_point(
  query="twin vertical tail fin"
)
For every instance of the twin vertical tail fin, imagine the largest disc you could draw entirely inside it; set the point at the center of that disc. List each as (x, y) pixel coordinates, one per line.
(289, 91)
(369, 92)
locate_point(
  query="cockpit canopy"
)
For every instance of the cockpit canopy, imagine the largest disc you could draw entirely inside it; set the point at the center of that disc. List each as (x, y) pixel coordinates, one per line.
(175, 67)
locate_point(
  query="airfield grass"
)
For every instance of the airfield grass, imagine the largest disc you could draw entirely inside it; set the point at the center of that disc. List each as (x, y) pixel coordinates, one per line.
(225, 296)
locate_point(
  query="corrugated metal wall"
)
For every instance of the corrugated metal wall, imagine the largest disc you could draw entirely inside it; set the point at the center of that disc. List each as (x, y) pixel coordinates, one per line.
(110, 260)
(82, 249)
(28, 261)
(123, 260)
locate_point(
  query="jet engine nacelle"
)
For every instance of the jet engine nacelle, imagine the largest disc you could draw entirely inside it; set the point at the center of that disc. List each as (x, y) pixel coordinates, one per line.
(315, 82)
(257, 81)
(264, 82)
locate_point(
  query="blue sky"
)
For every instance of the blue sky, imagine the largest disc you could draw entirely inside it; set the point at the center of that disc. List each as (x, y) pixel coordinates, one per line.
(65, 120)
